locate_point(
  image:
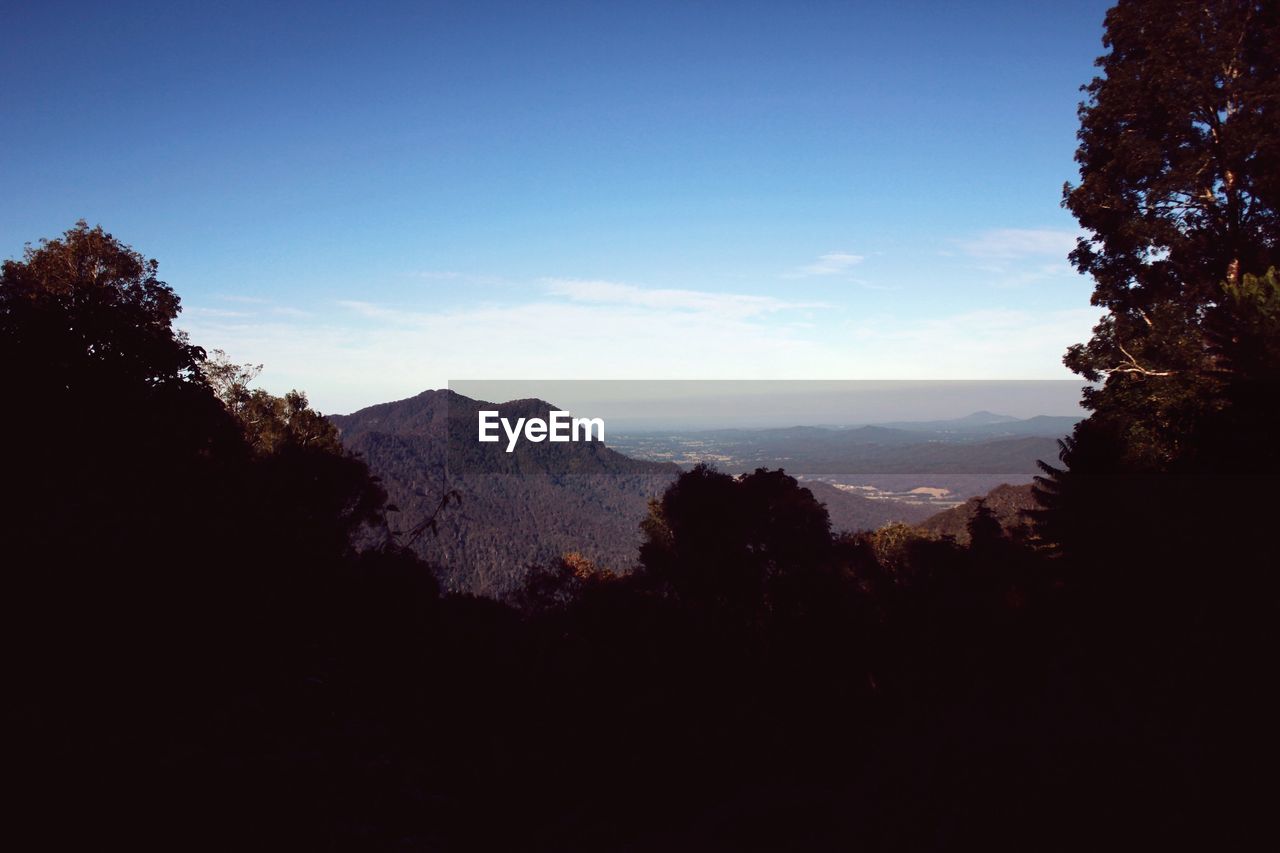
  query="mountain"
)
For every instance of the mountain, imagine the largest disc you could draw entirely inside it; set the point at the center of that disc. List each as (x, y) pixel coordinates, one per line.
(866, 451)
(973, 421)
(531, 506)
(513, 510)
(1008, 503)
(988, 425)
(985, 418)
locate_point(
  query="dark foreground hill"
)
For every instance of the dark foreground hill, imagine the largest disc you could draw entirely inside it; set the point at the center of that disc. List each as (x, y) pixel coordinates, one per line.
(512, 511)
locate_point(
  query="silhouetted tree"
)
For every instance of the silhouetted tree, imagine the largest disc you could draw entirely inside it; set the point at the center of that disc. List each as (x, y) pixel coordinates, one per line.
(1179, 156)
(1158, 512)
(176, 568)
(723, 542)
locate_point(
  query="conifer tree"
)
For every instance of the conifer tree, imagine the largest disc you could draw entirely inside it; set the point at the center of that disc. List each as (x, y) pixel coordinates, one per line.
(1179, 196)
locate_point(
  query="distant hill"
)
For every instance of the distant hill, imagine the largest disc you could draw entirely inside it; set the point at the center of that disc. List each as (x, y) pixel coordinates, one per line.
(989, 425)
(851, 513)
(1008, 503)
(982, 444)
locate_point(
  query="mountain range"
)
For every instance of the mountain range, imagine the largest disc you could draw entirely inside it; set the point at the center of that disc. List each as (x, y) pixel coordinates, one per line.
(982, 444)
(509, 512)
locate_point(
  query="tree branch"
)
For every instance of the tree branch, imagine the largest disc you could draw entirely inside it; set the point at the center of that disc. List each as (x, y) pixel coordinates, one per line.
(1134, 367)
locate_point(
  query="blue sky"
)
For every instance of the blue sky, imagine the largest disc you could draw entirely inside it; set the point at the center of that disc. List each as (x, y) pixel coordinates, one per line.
(374, 199)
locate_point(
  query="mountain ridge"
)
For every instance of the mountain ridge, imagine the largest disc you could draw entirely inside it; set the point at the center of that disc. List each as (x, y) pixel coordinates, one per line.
(531, 506)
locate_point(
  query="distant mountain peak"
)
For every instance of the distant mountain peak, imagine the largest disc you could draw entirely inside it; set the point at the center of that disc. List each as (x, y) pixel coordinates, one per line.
(985, 417)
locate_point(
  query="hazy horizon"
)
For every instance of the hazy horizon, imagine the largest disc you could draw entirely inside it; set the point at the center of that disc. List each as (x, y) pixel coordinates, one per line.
(644, 405)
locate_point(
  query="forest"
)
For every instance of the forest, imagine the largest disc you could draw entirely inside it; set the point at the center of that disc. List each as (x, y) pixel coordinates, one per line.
(218, 633)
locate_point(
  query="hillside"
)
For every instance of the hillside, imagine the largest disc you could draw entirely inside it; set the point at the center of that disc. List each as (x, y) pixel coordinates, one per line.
(1008, 503)
(851, 512)
(513, 510)
(531, 506)
(862, 451)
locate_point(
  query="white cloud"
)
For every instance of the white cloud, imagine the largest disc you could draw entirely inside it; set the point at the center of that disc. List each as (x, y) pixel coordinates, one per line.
(371, 311)
(455, 277)
(1020, 275)
(216, 312)
(1017, 257)
(995, 343)
(735, 305)
(832, 263)
(388, 354)
(1012, 243)
(253, 306)
(871, 285)
(286, 311)
(394, 354)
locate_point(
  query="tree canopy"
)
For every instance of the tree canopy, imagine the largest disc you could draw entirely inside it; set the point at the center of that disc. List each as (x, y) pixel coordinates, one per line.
(1179, 159)
(1179, 195)
(93, 309)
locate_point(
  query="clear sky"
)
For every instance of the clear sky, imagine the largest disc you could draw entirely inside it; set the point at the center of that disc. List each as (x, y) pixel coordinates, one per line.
(372, 199)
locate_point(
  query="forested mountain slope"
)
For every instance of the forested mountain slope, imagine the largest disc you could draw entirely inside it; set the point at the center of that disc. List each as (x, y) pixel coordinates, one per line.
(482, 520)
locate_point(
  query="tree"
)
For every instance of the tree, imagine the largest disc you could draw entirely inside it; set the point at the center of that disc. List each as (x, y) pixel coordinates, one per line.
(92, 309)
(110, 407)
(1180, 194)
(177, 561)
(321, 491)
(735, 544)
(123, 454)
(270, 423)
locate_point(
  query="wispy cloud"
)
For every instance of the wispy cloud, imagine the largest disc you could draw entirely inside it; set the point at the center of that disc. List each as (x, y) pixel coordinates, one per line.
(736, 305)
(215, 312)
(455, 277)
(871, 285)
(252, 306)
(373, 311)
(993, 343)
(393, 353)
(366, 308)
(287, 311)
(1017, 257)
(368, 351)
(1025, 273)
(1014, 243)
(832, 263)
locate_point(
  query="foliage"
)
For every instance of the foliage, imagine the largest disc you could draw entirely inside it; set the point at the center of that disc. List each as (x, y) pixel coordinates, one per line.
(270, 423)
(156, 560)
(92, 309)
(188, 625)
(1179, 156)
(734, 542)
